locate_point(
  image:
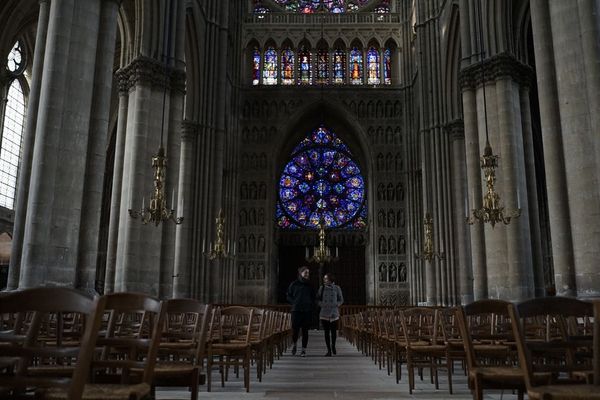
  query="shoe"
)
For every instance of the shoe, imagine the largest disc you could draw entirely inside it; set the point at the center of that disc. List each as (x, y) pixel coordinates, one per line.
(294, 350)
(333, 350)
(328, 354)
(303, 353)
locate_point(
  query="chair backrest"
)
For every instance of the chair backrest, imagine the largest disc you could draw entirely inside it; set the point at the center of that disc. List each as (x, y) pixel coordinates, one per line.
(131, 338)
(421, 324)
(559, 355)
(482, 321)
(61, 333)
(187, 320)
(236, 324)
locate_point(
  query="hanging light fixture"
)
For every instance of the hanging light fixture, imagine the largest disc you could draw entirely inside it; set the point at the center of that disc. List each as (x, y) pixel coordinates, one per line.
(428, 253)
(158, 211)
(491, 212)
(220, 248)
(321, 254)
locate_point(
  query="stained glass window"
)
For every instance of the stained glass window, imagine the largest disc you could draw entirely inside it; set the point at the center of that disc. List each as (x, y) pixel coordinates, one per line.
(287, 67)
(255, 66)
(322, 66)
(373, 66)
(332, 6)
(339, 66)
(356, 66)
(10, 152)
(304, 67)
(387, 67)
(270, 67)
(321, 182)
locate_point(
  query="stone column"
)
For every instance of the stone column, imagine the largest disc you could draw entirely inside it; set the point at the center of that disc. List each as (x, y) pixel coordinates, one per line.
(97, 144)
(183, 254)
(27, 148)
(556, 180)
(51, 238)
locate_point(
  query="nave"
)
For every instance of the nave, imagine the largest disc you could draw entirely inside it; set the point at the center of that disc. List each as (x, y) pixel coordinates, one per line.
(349, 375)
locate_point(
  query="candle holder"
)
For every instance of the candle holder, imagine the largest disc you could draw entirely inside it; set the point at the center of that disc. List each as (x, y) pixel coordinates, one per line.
(321, 254)
(428, 253)
(220, 249)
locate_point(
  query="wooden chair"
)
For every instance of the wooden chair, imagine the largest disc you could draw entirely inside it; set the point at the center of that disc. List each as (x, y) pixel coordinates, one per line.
(425, 347)
(182, 348)
(230, 342)
(41, 357)
(452, 337)
(488, 346)
(554, 355)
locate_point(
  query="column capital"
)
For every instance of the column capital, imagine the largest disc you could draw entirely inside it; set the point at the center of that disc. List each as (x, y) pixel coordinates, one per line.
(151, 72)
(189, 130)
(455, 129)
(500, 66)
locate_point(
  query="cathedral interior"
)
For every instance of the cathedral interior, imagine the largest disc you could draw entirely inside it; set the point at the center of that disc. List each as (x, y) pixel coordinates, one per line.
(371, 117)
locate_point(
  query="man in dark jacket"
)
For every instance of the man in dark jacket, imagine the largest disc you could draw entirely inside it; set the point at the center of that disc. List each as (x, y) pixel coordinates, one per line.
(301, 295)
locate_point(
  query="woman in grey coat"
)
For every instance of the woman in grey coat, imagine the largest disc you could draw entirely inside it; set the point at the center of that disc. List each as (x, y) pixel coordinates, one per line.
(330, 299)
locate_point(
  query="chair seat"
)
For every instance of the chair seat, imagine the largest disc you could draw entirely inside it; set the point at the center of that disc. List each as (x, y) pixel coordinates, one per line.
(174, 368)
(102, 392)
(428, 348)
(229, 346)
(565, 392)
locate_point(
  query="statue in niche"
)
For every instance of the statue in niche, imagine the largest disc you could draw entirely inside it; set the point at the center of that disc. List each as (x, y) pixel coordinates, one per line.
(254, 137)
(252, 191)
(243, 191)
(262, 191)
(243, 217)
(380, 136)
(391, 217)
(252, 217)
(253, 162)
(392, 245)
(381, 192)
(398, 162)
(401, 245)
(263, 161)
(263, 136)
(241, 271)
(391, 192)
(393, 273)
(244, 161)
(261, 244)
(380, 162)
(382, 245)
(242, 244)
(382, 272)
(399, 192)
(389, 136)
(389, 162)
(401, 218)
(251, 271)
(402, 269)
(260, 271)
(251, 244)
(261, 217)
(381, 219)
(245, 135)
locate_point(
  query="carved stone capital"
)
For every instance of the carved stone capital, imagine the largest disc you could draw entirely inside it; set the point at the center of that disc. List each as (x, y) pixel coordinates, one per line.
(189, 130)
(151, 72)
(497, 67)
(455, 129)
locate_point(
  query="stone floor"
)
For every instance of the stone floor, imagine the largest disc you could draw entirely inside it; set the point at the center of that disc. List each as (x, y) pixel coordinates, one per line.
(349, 375)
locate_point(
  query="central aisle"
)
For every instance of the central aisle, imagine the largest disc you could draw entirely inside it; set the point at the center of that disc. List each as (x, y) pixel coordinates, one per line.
(349, 375)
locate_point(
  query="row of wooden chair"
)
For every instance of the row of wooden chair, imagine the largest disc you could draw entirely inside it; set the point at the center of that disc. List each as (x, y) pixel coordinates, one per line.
(58, 343)
(547, 347)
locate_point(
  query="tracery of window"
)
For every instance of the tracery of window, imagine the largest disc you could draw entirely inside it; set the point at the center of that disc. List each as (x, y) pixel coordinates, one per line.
(287, 66)
(322, 66)
(270, 67)
(304, 66)
(356, 66)
(255, 66)
(339, 66)
(315, 6)
(12, 129)
(387, 66)
(373, 66)
(321, 182)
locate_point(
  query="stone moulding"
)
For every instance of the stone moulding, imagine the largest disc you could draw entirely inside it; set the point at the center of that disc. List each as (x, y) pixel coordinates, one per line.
(148, 71)
(499, 66)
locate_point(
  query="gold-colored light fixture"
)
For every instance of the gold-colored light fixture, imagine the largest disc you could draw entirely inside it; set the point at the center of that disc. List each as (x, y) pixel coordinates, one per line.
(429, 254)
(220, 249)
(491, 212)
(158, 211)
(321, 254)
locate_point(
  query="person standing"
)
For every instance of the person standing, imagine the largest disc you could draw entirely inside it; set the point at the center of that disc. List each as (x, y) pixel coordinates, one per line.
(330, 299)
(301, 295)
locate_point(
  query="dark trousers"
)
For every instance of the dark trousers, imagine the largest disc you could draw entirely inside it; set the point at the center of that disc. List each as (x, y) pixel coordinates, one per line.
(301, 321)
(330, 328)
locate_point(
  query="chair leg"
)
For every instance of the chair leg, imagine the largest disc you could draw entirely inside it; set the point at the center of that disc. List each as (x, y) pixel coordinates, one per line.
(450, 366)
(194, 385)
(411, 376)
(247, 371)
(208, 372)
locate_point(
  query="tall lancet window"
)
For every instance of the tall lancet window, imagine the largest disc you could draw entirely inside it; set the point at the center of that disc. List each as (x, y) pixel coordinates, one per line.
(387, 66)
(287, 66)
(321, 181)
(322, 65)
(255, 66)
(304, 66)
(373, 66)
(270, 67)
(356, 66)
(12, 129)
(339, 66)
